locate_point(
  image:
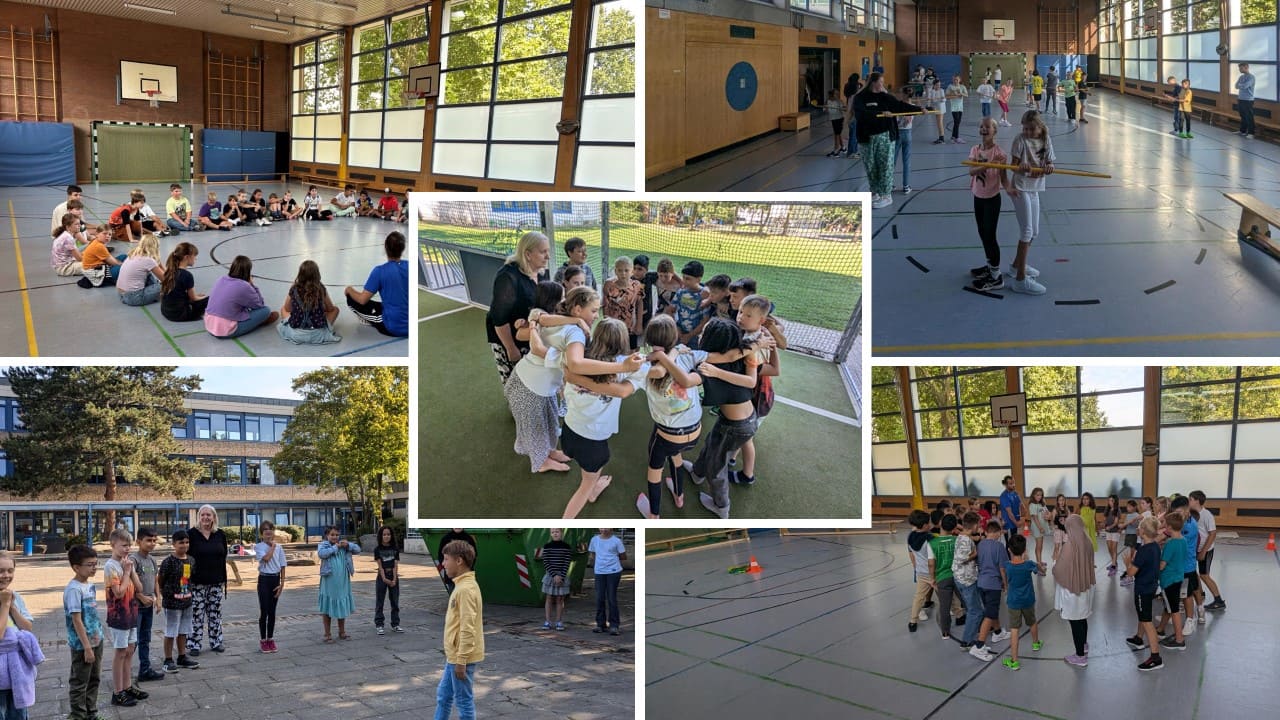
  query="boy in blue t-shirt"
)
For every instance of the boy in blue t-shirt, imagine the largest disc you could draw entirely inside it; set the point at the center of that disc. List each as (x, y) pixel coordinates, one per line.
(1016, 573)
(991, 556)
(390, 281)
(1173, 581)
(1190, 567)
(1143, 565)
(691, 315)
(84, 633)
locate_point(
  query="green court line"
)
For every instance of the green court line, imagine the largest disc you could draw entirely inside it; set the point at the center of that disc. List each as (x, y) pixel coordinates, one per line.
(1013, 707)
(784, 683)
(189, 334)
(166, 335)
(242, 347)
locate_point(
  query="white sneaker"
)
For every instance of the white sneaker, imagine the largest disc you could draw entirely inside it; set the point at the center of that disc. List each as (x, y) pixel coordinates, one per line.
(1200, 615)
(1031, 272)
(922, 617)
(999, 637)
(981, 653)
(1189, 627)
(1028, 286)
(882, 201)
(906, 190)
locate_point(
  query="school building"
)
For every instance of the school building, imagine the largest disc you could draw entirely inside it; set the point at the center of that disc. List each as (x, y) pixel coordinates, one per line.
(231, 437)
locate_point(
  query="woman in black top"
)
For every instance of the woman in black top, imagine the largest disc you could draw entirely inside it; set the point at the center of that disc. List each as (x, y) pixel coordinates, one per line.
(513, 290)
(208, 580)
(879, 134)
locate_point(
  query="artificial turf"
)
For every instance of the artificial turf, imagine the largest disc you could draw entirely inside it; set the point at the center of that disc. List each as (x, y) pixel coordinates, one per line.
(430, 303)
(807, 466)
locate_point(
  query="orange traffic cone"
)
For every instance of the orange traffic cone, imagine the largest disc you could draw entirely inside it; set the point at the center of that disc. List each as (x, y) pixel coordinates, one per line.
(754, 567)
(1271, 543)
(1026, 528)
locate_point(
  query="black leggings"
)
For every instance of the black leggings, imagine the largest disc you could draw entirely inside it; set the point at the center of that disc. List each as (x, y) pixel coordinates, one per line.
(1071, 108)
(955, 123)
(267, 602)
(987, 212)
(1079, 634)
(188, 312)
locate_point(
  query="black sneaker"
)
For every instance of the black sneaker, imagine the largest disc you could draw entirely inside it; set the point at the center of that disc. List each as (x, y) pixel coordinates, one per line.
(1136, 642)
(123, 699)
(183, 662)
(911, 627)
(1173, 644)
(989, 282)
(170, 666)
(960, 621)
(737, 477)
(939, 141)
(928, 604)
(193, 653)
(1217, 604)
(1152, 663)
(218, 649)
(150, 674)
(137, 694)
(982, 271)
(964, 645)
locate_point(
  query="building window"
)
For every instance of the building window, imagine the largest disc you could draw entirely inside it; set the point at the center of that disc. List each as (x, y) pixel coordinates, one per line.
(385, 129)
(202, 426)
(855, 13)
(317, 100)
(258, 472)
(606, 142)
(4, 414)
(817, 7)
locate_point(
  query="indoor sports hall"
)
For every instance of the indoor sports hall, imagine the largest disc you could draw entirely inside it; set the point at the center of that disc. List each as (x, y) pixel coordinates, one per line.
(805, 258)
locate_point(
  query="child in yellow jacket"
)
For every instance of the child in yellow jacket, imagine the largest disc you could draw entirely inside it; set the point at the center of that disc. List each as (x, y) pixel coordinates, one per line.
(463, 634)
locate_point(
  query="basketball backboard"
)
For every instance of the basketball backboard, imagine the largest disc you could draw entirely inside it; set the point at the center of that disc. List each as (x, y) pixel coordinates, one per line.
(1008, 410)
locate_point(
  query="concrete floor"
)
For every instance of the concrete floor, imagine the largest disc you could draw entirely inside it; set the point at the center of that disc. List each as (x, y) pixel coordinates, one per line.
(822, 633)
(65, 320)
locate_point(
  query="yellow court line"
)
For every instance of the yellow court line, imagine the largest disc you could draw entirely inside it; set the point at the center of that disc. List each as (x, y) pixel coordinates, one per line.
(32, 350)
(1017, 344)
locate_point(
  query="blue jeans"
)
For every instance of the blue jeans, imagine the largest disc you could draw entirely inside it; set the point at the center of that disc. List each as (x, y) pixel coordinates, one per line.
(145, 616)
(972, 599)
(986, 109)
(453, 690)
(9, 711)
(904, 149)
(147, 295)
(257, 316)
(607, 600)
(175, 225)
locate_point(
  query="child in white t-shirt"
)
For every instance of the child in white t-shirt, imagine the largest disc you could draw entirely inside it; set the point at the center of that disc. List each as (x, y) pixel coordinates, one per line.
(986, 91)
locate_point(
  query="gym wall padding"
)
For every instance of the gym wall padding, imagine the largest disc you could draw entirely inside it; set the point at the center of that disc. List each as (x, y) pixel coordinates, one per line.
(233, 154)
(143, 153)
(37, 153)
(944, 66)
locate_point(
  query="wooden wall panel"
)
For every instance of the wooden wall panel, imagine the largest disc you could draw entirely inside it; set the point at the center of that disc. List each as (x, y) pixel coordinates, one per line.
(664, 92)
(713, 124)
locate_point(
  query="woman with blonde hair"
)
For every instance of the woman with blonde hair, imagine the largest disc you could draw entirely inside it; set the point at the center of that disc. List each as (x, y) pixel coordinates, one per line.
(141, 274)
(514, 287)
(208, 553)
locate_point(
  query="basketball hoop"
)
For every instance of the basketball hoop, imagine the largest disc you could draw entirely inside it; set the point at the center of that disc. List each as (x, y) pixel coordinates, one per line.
(411, 95)
(152, 100)
(997, 33)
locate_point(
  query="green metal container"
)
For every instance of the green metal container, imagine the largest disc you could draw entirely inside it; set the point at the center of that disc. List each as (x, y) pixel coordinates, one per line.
(507, 565)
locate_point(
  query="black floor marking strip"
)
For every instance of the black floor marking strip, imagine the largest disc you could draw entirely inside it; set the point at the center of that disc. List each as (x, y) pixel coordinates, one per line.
(984, 293)
(1095, 301)
(915, 262)
(1160, 287)
(1200, 257)
(895, 231)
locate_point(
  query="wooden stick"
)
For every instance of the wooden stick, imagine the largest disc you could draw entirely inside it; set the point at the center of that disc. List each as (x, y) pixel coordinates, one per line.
(918, 112)
(999, 166)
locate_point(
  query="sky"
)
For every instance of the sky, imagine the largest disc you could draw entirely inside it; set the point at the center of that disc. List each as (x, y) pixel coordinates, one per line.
(257, 381)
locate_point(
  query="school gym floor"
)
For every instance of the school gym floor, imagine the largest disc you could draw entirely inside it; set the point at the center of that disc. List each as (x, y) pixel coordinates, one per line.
(43, 314)
(808, 448)
(821, 632)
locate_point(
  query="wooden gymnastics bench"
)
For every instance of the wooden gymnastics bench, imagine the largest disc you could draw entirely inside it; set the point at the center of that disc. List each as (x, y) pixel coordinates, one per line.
(238, 179)
(327, 181)
(670, 544)
(1256, 220)
(793, 122)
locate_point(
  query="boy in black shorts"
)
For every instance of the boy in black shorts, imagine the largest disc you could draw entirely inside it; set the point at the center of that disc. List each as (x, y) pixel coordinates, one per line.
(1143, 565)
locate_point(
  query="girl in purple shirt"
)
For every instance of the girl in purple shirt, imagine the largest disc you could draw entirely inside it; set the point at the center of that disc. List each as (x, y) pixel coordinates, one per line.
(235, 305)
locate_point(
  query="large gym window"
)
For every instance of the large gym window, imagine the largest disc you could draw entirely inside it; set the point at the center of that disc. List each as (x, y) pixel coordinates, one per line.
(817, 7)
(882, 11)
(317, 100)
(386, 130)
(606, 141)
(1253, 40)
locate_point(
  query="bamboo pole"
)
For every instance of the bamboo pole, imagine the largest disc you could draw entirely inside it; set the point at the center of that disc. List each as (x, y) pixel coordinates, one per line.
(908, 114)
(1057, 171)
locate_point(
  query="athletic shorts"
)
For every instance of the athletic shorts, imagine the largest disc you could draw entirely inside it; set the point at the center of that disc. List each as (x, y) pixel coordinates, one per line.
(1018, 616)
(121, 639)
(837, 126)
(590, 454)
(1143, 603)
(177, 622)
(1037, 96)
(990, 604)
(1206, 562)
(1173, 595)
(660, 448)
(1191, 585)
(1131, 541)
(1113, 537)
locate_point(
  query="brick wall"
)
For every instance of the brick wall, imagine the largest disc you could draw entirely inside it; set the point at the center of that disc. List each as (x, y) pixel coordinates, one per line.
(203, 494)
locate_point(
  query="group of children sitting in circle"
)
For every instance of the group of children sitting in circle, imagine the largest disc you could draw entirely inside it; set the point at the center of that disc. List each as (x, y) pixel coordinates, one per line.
(665, 334)
(234, 305)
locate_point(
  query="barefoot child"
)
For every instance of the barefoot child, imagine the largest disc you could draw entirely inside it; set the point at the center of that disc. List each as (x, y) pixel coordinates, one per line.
(1016, 573)
(1032, 152)
(174, 580)
(463, 634)
(985, 184)
(336, 569)
(556, 556)
(271, 570)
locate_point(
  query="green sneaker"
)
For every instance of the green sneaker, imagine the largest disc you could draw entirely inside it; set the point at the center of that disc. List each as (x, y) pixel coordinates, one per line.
(1011, 664)
(1037, 645)
(1188, 136)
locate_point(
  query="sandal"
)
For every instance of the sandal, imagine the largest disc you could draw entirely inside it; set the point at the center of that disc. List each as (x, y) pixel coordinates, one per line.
(344, 636)
(602, 482)
(678, 499)
(328, 639)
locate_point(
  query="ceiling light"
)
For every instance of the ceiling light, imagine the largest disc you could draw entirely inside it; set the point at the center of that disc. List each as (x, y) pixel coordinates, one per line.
(162, 11)
(339, 5)
(264, 28)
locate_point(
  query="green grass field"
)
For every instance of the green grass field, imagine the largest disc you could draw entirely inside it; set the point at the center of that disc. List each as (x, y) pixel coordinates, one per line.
(784, 267)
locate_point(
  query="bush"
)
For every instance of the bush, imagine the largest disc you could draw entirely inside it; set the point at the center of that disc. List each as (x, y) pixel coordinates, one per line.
(297, 533)
(73, 540)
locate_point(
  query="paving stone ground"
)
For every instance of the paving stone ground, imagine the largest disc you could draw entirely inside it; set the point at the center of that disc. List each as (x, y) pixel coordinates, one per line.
(529, 673)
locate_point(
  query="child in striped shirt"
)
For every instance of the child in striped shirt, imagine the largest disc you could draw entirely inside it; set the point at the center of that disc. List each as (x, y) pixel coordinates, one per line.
(556, 556)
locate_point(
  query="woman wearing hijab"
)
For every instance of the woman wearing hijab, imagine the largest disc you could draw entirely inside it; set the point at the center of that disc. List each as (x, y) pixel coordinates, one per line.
(1074, 575)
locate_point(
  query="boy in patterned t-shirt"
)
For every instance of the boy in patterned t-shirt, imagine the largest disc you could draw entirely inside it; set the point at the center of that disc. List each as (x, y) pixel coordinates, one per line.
(84, 633)
(121, 581)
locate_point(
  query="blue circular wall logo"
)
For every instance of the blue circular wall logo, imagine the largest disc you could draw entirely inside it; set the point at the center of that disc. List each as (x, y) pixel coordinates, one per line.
(740, 86)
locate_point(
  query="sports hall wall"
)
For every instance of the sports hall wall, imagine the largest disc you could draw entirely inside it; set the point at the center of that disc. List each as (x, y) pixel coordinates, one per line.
(89, 51)
(968, 30)
(689, 53)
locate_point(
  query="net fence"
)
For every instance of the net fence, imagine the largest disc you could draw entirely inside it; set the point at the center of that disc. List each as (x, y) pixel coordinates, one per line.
(806, 258)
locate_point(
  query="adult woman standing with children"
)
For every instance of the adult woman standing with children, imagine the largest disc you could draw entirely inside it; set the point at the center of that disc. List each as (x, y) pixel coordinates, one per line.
(513, 293)
(1074, 576)
(208, 580)
(880, 134)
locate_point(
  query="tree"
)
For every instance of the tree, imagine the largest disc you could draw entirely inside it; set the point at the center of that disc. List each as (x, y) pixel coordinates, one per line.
(351, 432)
(86, 420)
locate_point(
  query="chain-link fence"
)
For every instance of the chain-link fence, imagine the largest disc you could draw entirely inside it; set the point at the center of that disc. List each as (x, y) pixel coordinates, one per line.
(806, 258)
